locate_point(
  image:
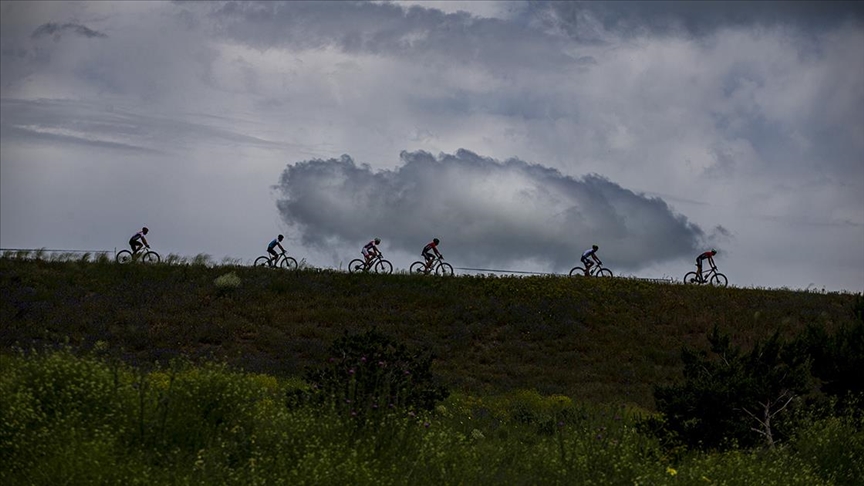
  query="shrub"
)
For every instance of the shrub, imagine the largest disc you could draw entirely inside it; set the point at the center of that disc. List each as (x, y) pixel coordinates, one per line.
(370, 373)
(731, 397)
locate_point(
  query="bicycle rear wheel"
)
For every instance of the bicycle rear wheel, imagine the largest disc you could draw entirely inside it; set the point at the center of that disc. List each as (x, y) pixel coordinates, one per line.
(124, 256)
(262, 261)
(444, 269)
(150, 257)
(604, 272)
(383, 266)
(417, 268)
(719, 280)
(356, 266)
(289, 263)
(577, 272)
(691, 278)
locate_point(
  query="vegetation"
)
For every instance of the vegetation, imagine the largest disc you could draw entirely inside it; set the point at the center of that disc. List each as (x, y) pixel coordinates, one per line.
(195, 374)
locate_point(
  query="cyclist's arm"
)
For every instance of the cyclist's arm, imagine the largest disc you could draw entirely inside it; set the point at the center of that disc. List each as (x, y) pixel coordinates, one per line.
(711, 261)
(280, 247)
(144, 240)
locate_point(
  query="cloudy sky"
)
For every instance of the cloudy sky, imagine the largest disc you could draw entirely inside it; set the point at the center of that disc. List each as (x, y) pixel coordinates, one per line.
(519, 133)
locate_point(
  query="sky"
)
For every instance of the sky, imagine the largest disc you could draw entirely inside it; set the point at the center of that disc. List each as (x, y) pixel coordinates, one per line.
(519, 133)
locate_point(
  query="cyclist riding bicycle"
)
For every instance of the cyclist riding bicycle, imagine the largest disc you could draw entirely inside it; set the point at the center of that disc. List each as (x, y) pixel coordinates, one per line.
(591, 252)
(427, 252)
(270, 249)
(710, 256)
(371, 249)
(138, 240)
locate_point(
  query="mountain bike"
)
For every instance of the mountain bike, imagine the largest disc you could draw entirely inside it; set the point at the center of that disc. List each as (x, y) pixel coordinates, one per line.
(144, 254)
(283, 260)
(596, 270)
(377, 264)
(711, 277)
(438, 265)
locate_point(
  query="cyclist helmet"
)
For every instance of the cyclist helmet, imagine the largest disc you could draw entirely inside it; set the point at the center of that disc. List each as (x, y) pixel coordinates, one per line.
(435, 240)
(713, 251)
(595, 247)
(145, 230)
(281, 237)
(377, 240)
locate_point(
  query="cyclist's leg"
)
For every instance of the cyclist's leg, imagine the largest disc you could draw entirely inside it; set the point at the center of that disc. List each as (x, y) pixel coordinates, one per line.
(587, 264)
(135, 246)
(699, 270)
(429, 258)
(274, 257)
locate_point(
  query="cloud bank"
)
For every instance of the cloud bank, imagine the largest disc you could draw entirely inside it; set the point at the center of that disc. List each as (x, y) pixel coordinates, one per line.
(485, 212)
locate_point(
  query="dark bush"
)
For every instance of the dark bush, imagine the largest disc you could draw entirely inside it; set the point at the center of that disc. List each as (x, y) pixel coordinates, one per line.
(370, 373)
(730, 397)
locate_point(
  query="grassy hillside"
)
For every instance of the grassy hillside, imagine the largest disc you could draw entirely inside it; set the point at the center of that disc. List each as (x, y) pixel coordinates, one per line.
(596, 340)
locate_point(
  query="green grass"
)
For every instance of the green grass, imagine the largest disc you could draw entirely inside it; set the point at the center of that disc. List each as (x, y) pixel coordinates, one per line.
(601, 341)
(88, 420)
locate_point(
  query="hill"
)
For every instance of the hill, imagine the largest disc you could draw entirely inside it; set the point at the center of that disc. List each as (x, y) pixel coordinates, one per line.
(596, 340)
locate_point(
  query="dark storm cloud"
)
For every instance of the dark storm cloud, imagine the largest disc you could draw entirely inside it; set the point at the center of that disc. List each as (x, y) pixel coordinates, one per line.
(364, 27)
(57, 30)
(484, 211)
(580, 19)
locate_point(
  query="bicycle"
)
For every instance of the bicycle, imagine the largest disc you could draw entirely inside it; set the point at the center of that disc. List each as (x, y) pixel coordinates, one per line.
(283, 260)
(377, 264)
(438, 264)
(144, 254)
(596, 270)
(711, 277)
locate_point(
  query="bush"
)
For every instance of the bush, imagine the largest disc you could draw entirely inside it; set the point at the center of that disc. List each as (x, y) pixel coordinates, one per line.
(370, 373)
(730, 397)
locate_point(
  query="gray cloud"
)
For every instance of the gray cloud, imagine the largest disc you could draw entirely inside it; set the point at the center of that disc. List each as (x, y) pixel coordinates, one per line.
(484, 211)
(415, 32)
(57, 30)
(104, 126)
(588, 21)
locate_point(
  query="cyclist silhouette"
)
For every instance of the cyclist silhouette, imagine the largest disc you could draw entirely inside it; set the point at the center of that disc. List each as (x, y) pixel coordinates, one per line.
(592, 253)
(138, 240)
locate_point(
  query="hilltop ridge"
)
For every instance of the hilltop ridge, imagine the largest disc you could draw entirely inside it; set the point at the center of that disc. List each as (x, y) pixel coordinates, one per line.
(598, 340)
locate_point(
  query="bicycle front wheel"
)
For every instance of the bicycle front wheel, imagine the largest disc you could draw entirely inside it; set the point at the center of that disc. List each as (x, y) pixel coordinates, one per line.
(604, 272)
(150, 257)
(718, 280)
(262, 261)
(691, 278)
(444, 269)
(383, 266)
(417, 268)
(289, 263)
(577, 272)
(124, 256)
(357, 265)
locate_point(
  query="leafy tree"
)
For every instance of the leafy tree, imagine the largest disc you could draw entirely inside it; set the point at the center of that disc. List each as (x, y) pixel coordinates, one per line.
(730, 396)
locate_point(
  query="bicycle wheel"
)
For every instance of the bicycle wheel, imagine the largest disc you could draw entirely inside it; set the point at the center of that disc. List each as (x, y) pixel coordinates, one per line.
(150, 257)
(417, 268)
(691, 278)
(719, 280)
(356, 266)
(444, 269)
(577, 272)
(262, 261)
(604, 272)
(289, 263)
(383, 266)
(124, 256)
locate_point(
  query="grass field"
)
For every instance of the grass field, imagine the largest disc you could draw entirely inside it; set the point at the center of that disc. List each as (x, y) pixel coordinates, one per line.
(596, 340)
(178, 374)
